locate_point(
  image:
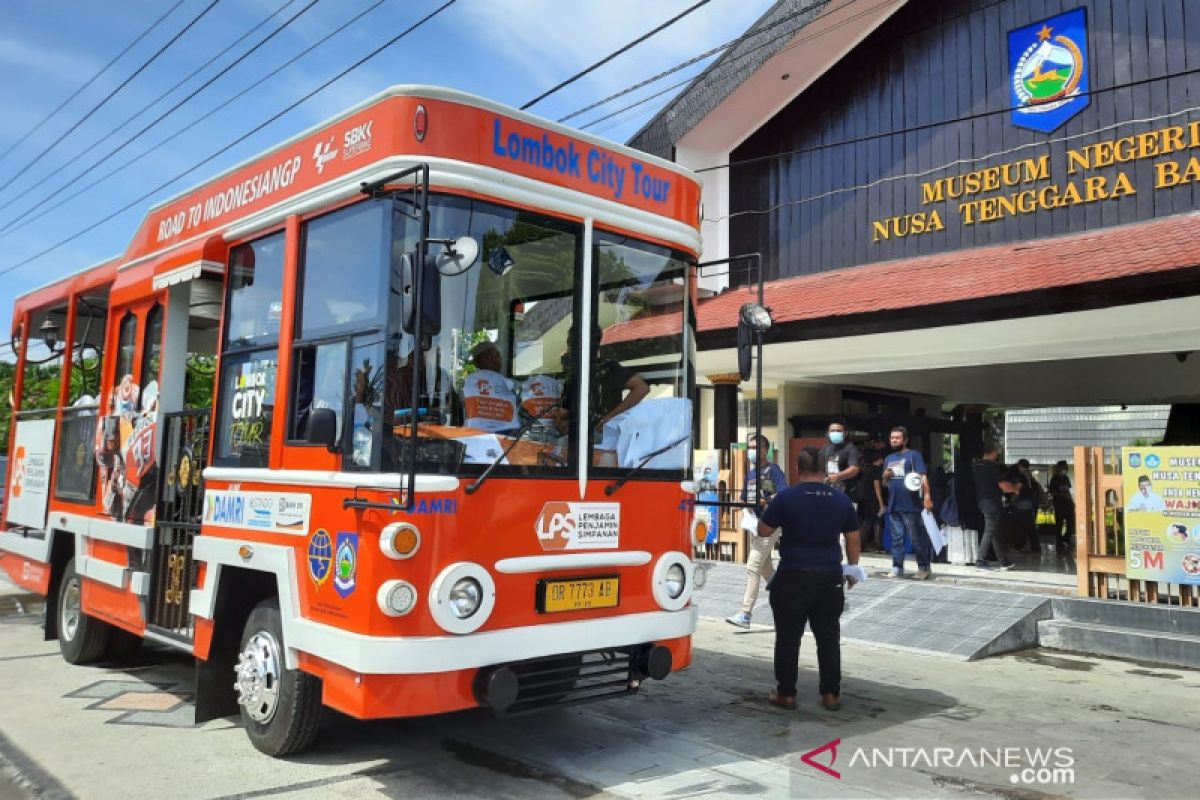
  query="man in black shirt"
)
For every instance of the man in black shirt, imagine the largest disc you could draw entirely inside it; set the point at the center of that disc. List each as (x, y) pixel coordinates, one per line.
(839, 459)
(870, 500)
(807, 587)
(990, 484)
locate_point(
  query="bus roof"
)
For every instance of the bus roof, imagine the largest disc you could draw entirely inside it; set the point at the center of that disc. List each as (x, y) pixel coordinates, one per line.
(401, 125)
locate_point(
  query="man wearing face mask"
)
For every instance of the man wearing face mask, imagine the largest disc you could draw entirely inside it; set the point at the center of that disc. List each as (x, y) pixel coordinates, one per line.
(839, 458)
(770, 480)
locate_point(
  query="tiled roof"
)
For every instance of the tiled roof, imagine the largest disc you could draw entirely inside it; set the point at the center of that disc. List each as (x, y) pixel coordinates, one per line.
(961, 275)
(723, 76)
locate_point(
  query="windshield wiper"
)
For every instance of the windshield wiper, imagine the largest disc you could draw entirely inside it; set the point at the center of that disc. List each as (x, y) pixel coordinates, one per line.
(612, 488)
(526, 426)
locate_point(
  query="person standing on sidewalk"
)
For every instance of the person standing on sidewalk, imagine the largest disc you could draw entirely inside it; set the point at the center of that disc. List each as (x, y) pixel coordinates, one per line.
(908, 491)
(990, 486)
(840, 460)
(769, 479)
(870, 501)
(1064, 506)
(807, 588)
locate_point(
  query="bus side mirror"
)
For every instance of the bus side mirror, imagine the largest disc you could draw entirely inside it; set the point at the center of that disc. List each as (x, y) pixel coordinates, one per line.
(431, 303)
(322, 428)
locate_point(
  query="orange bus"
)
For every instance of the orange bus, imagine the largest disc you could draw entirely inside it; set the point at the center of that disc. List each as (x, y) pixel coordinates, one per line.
(393, 418)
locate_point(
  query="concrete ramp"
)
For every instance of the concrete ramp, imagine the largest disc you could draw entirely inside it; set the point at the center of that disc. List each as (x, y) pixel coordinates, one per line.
(949, 621)
(938, 619)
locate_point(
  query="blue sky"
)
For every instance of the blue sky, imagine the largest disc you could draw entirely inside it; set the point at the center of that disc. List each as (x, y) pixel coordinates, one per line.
(507, 50)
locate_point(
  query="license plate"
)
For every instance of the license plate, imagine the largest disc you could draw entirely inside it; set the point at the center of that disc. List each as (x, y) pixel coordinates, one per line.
(577, 593)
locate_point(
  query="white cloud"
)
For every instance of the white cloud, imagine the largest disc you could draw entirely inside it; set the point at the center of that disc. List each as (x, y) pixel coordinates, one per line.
(44, 61)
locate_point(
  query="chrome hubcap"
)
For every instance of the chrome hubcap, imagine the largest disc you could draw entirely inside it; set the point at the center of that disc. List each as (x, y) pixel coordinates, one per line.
(258, 671)
(68, 614)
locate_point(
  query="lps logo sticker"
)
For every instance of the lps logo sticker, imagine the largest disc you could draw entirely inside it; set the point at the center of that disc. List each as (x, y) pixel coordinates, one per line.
(578, 526)
(345, 576)
(18, 473)
(323, 153)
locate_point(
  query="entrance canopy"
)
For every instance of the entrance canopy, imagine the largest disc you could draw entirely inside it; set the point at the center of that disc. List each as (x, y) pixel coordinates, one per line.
(1105, 316)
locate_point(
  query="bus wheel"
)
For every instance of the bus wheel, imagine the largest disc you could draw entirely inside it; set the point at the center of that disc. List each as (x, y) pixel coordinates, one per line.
(81, 638)
(280, 707)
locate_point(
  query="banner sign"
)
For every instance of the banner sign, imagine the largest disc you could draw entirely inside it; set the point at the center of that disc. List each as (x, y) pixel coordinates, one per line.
(1162, 513)
(29, 474)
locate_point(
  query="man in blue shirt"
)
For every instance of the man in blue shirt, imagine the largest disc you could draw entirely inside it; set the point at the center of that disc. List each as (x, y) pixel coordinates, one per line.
(770, 480)
(807, 587)
(908, 486)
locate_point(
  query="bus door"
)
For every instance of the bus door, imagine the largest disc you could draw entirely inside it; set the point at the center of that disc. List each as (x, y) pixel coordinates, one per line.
(179, 362)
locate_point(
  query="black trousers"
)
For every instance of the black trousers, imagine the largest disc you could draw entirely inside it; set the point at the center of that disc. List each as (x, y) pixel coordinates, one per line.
(815, 598)
(1064, 521)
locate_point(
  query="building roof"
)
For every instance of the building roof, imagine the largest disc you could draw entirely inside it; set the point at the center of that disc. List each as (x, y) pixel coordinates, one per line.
(770, 34)
(1019, 268)
(1048, 435)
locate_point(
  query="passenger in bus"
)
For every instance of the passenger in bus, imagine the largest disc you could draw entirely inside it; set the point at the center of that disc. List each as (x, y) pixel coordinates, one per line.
(489, 400)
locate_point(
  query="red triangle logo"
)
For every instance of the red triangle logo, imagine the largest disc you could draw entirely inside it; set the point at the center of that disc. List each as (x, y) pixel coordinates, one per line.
(832, 747)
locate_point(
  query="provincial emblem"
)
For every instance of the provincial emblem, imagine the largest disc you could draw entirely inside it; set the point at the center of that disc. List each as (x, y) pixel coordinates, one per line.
(1048, 71)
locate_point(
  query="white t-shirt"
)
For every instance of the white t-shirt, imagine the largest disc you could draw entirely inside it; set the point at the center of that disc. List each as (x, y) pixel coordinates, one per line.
(539, 393)
(489, 401)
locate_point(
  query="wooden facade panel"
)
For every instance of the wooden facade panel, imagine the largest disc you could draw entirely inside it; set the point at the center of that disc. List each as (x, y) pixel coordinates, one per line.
(930, 90)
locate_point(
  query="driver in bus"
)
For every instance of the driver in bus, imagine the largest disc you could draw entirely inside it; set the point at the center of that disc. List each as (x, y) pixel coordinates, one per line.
(615, 390)
(489, 400)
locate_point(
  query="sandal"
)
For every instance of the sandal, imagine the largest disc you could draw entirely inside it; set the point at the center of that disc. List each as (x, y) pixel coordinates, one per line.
(787, 701)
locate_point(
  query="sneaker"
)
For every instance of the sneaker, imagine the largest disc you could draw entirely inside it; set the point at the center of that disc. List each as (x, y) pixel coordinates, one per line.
(922, 575)
(896, 572)
(740, 619)
(1007, 565)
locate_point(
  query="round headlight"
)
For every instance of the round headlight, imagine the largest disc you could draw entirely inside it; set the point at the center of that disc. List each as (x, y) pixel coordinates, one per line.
(396, 598)
(675, 580)
(465, 597)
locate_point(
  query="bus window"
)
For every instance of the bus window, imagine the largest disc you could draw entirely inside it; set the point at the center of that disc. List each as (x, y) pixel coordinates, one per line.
(474, 372)
(320, 383)
(641, 381)
(343, 279)
(124, 398)
(255, 303)
(251, 353)
(152, 358)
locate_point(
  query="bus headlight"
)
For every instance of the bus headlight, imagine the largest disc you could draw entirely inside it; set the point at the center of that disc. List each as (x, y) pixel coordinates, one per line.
(675, 581)
(465, 596)
(396, 598)
(462, 597)
(671, 581)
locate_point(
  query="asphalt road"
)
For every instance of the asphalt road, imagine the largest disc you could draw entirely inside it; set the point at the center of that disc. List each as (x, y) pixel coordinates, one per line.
(125, 731)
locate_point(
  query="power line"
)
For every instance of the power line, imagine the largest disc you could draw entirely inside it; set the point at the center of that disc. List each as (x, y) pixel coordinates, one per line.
(714, 50)
(237, 141)
(15, 226)
(110, 95)
(613, 55)
(90, 81)
(70, 181)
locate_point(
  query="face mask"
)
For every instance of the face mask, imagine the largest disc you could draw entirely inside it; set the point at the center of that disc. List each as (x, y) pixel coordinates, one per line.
(752, 455)
(837, 437)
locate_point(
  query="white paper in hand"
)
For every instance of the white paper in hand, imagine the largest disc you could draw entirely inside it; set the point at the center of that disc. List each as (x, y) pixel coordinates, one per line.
(854, 571)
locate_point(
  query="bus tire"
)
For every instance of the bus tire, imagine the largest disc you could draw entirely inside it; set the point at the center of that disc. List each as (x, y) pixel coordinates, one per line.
(280, 707)
(81, 639)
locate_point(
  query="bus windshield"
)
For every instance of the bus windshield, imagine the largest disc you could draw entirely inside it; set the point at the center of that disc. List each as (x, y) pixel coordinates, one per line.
(498, 365)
